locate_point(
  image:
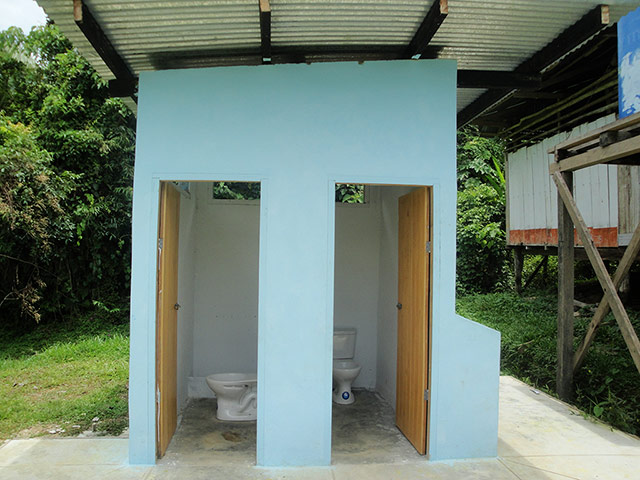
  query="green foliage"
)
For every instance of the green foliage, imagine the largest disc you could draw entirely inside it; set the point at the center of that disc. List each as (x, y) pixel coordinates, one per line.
(73, 168)
(33, 222)
(480, 161)
(349, 193)
(236, 190)
(606, 386)
(481, 240)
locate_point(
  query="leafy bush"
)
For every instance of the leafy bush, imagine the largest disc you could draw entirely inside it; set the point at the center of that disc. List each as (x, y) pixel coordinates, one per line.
(481, 239)
(481, 250)
(33, 222)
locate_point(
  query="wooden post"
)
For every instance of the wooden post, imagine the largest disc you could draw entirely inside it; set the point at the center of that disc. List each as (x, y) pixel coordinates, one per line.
(564, 374)
(518, 262)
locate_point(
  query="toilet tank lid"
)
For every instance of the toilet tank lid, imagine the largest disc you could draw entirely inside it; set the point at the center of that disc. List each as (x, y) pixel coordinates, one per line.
(344, 330)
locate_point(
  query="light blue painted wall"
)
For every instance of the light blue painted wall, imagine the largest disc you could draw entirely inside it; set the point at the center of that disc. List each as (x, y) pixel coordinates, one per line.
(306, 127)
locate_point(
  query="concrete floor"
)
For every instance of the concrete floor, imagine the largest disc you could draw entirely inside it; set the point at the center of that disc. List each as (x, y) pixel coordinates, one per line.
(539, 438)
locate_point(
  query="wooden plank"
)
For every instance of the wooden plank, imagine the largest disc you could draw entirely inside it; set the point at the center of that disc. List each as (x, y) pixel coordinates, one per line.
(428, 28)
(599, 155)
(621, 124)
(624, 266)
(628, 333)
(265, 30)
(413, 317)
(566, 258)
(166, 329)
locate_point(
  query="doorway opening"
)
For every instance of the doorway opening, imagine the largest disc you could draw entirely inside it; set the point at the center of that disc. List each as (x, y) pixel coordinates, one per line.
(382, 289)
(207, 317)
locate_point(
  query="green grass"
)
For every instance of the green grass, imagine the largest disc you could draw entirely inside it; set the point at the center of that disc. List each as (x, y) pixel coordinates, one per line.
(63, 375)
(607, 386)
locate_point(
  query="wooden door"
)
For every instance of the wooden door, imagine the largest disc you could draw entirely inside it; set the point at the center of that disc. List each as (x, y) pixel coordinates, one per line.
(167, 316)
(414, 273)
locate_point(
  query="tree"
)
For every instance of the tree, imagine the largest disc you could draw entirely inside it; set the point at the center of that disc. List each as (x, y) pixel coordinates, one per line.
(55, 105)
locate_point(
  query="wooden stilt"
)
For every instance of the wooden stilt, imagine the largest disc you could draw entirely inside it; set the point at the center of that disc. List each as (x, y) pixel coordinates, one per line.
(566, 258)
(518, 263)
(626, 328)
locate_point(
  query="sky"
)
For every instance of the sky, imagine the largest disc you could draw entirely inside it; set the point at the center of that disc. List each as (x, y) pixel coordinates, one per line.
(21, 13)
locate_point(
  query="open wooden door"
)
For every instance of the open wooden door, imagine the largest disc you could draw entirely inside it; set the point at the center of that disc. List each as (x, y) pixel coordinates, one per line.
(167, 316)
(414, 311)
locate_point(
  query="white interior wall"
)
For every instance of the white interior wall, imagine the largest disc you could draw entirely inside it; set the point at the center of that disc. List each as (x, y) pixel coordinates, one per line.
(186, 284)
(387, 339)
(357, 253)
(226, 286)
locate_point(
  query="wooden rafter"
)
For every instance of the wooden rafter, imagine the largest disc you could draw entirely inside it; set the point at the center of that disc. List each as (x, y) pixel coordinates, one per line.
(126, 80)
(265, 30)
(497, 79)
(428, 28)
(590, 24)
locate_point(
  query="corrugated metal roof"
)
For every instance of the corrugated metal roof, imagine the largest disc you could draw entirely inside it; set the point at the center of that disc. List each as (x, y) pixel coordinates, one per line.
(479, 34)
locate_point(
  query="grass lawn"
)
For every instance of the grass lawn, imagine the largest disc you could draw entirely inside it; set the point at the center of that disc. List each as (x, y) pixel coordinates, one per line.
(62, 377)
(607, 386)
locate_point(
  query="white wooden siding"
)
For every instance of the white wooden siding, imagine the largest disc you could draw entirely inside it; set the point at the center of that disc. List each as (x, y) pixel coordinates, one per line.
(532, 195)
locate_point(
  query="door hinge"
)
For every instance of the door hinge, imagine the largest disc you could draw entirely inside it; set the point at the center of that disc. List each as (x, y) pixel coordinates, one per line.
(426, 395)
(160, 242)
(158, 395)
(428, 247)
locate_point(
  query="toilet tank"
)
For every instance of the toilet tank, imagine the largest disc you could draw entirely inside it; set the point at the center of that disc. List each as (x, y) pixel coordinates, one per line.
(344, 342)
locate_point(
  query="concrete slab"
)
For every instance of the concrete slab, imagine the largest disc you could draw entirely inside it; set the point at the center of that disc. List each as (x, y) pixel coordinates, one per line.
(541, 438)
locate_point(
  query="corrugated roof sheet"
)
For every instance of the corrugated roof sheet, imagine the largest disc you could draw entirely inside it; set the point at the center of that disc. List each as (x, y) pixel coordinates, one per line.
(479, 34)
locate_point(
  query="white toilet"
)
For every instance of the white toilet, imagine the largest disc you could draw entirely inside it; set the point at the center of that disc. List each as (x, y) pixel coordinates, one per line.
(345, 370)
(237, 395)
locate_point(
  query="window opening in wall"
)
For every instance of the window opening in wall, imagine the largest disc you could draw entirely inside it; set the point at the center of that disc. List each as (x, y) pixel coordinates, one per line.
(236, 190)
(350, 193)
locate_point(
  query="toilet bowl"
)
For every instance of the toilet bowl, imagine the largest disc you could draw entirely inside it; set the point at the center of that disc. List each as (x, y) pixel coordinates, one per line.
(345, 369)
(236, 394)
(344, 373)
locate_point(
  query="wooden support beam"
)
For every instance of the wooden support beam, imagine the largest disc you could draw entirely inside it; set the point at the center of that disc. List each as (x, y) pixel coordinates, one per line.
(122, 88)
(428, 28)
(632, 121)
(628, 333)
(497, 79)
(603, 308)
(590, 24)
(265, 30)
(566, 260)
(518, 263)
(595, 156)
(96, 36)
(543, 262)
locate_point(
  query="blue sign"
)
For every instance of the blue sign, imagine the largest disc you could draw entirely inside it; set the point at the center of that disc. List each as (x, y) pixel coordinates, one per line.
(629, 64)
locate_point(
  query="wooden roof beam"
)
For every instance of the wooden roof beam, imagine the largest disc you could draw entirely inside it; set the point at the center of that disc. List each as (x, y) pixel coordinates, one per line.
(265, 30)
(590, 24)
(125, 79)
(432, 21)
(498, 79)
